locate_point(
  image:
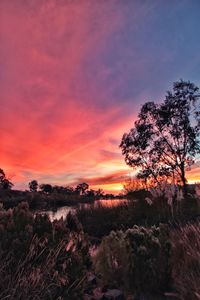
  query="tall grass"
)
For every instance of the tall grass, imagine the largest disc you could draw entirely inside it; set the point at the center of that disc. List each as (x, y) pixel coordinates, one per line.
(40, 259)
(99, 221)
(185, 261)
(32, 281)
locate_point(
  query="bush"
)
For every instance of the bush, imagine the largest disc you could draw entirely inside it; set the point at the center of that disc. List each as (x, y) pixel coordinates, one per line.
(136, 260)
(40, 259)
(185, 261)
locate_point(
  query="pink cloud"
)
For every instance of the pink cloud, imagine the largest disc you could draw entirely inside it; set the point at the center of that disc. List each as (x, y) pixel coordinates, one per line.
(51, 120)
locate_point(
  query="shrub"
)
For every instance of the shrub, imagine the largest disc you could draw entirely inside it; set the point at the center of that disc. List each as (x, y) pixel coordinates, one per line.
(40, 259)
(185, 261)
(137, 260)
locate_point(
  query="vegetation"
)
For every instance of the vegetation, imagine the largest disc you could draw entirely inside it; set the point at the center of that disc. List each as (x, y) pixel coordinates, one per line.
(185, 261)
(5, 183)
(147, 208)
(46, 195)
(40, 259)
(136, 260)
(33, 186)
(164, 140)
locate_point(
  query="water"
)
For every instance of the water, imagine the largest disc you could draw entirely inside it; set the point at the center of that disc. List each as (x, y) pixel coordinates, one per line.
(63, 211)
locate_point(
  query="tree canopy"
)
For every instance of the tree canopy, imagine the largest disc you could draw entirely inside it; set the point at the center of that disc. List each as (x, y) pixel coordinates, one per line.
(5, 183)
(165, 138)
(33, 185)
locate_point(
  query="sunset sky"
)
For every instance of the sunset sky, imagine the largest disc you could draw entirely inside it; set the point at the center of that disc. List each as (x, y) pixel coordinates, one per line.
(73, 76)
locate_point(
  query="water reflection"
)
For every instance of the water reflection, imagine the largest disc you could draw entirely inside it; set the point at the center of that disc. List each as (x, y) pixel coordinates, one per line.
(104, 202)
(59, 213)
(63, 211)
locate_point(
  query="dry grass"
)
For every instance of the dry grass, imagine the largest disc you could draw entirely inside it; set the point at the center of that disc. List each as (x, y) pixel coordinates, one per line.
(40, 259)
(31, 280)
(186, 261)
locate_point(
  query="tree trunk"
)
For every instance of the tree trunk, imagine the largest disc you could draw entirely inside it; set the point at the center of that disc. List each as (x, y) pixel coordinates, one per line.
(183, 178)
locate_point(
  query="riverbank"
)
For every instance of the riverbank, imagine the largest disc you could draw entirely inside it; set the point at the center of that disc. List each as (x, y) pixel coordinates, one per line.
(39, 200)
(46, 201)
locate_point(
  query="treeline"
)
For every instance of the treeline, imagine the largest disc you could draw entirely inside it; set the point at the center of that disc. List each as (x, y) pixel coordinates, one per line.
(82, 189)
(46, 195)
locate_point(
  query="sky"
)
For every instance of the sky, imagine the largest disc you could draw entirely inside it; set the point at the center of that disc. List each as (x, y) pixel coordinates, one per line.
(73, 77)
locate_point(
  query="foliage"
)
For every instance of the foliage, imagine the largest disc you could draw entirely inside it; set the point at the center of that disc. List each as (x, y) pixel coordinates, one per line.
(164, 140)
(46, 188)
(33, 186)
(185, 261)
(136, 260)
(40, 259)
(132, 184)
(82, 188)
(163, 204)
(5, 183)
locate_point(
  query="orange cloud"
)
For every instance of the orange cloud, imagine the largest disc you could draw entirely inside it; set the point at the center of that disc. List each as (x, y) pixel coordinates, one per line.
(62, 115)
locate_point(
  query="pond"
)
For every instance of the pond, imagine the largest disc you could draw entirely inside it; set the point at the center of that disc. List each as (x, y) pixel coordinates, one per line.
(63, 211)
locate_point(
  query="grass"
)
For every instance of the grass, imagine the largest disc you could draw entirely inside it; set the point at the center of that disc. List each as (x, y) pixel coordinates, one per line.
(98, 221)
(185, 261)
(40, 259)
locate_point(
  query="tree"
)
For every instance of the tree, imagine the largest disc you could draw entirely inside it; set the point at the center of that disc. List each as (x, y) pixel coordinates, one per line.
(82, 188)
(46, 188)
(133, 184)
(5, 183)
(99, 193)
(33, 186)
(165, 139)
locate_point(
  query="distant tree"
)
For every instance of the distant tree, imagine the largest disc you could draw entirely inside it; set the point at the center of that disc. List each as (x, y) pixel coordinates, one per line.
(82, 188)
(69, 190)
(59, 189)
(165, 138)
(5, 183)
(90, 193)
(33, 186)
(99, 193)
(46, 188)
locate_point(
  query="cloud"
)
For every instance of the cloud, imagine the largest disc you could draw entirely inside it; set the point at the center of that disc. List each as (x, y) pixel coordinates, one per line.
(74, 74)
(116, 177)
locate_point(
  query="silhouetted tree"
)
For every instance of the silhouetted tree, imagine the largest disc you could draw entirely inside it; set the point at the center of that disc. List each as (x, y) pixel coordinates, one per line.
(90, 193)
(69, 190)
(82, 188)
(164, 140)
(59, 189)
(99, 193)
(5, 183)
(46, 188)
(33, 186)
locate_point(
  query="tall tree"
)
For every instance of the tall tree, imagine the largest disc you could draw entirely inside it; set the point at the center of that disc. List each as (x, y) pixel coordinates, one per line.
(165, 139)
